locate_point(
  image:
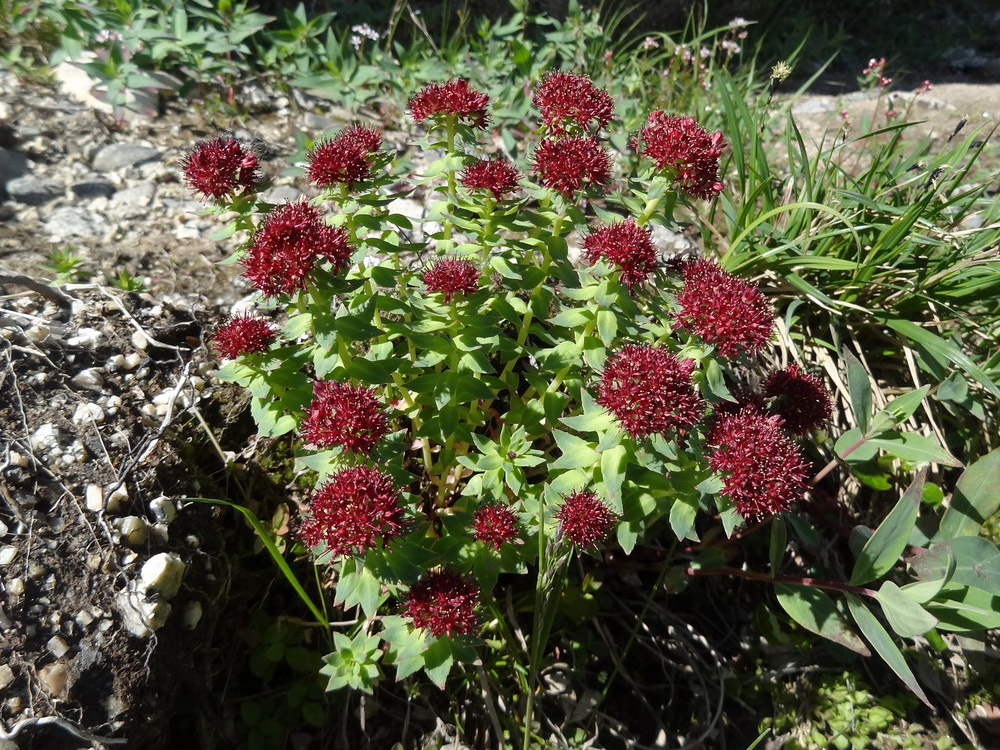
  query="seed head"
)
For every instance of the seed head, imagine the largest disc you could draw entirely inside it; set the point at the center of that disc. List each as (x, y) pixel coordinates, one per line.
(344, 414)
(801, 399)
(494, 524)
(218, 167)
(762, 470)
(456, 97)
(584, 518)
(572, 104)
(683, 148)
(649, 391)
(627, 247)
(345, 159)
(443, 603)
(723, 310)
(569, 165)
(243, 334)
(352, 511)
(496, 175)
(451, 276)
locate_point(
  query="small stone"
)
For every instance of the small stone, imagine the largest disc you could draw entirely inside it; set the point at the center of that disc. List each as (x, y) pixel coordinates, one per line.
(163, 510)
(192, 615)
(141, 618)
(94, 498)
(71, 221)
(86, 413)
(55, 677)
(13, 164)
(3, 529)
(93, 187)
(15, 586)
(16, 459)
(38, 333)
(7, 554)
(57, 646)
(89, 379)
(32, 191)
(6, 676)
(133, 359)
(121, 155)
(45, 438)
(134, 529)
(131, 202)
(163, 573)
(115, 362)
(84, 618)
(36, 571)
(116, 496)
(281, 194)
(140, 341)
(85, 338)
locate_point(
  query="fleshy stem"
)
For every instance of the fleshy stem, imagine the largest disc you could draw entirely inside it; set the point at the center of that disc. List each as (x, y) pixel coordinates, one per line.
(449, 125)
(767, 578)
(830, 466)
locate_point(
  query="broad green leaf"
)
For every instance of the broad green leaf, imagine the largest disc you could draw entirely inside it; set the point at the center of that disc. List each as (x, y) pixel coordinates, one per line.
(683, 512)
(438, 660)
(860, 389)
(883, 644)
(976, 498)
(913, 447)
(907, 618)
(965, 609)
(607, 326)
(576, 452)
(971, 560)
(881, 552)
(813, 609)
(614, 463)
(854, 441)
(902, 407)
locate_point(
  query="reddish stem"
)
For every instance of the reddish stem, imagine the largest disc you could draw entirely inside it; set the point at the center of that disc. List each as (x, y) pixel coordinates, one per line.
(829, 467)
(804, 581)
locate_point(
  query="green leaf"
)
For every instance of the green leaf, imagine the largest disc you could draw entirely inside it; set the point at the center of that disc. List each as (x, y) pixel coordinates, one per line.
(882, 643)
(913, 447)
(813, 609)
(907, 618)
(683, 512)
(965, 560)
(607, 326)
(576, 452)
(614, 464)
(902, 407)
(881, 552)
(965, 609)
(976, 498)
(438, 659)
(860, 388)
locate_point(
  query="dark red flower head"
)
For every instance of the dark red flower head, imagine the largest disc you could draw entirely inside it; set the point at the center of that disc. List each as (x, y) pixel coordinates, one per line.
(451, 277)
(649, 390)
(352, 511)
(287, 246)
(496, 175)
(344, 414)
(727, 312)
(571, 164)
(494, 524)
(627, 247)
(345, 159)
(443, 603)
(216, 168)
(801, 399)
(243, 334)
(680, 145)
(456, 98)
(762, 470)
(584, 518)
(572, 103)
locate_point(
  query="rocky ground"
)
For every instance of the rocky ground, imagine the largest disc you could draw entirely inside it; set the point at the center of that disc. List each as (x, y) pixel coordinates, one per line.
(113, 585)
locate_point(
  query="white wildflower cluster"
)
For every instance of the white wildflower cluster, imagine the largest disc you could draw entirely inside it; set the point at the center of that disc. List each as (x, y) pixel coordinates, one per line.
(362, 31)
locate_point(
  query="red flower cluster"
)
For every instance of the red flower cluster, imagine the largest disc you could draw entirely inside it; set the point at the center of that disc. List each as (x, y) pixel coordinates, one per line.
(494, 524)
(801, 399)
(452, 98)
(649, 390)
(584, 518)
(287, 245)
(572, 103)
(344, 414)
(351, 512)
(682, 146)
(628, 247)
(243, 334)
(496, 175)
(444, 603)
(216, 168)
(451, 276)
(762, 470)
(345, 159)
(571, 164)
(723, 310)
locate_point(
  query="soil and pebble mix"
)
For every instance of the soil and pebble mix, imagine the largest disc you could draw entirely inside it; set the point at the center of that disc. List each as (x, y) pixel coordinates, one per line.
(113, 588)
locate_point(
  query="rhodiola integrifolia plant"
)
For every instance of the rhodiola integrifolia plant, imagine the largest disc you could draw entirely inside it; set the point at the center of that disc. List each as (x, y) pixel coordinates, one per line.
(476, 403)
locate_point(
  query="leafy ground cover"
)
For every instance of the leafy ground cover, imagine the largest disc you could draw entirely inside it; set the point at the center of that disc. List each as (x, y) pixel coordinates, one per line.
(524, 477)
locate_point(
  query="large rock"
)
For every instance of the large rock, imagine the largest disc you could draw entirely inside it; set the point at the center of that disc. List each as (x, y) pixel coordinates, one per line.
(71, 221)
(33, 191)
(121, 155)
(13, 164)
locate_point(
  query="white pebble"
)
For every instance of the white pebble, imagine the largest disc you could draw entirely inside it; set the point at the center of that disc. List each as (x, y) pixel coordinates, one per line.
(139, 341)
(88, 413)
(94, 498)
(197, 383)
(45, 437)
(192, 615)
(83, 618)
(90, 379)
(38, 333)
(132, 360)
(150, 410)
(7, 554)
(134, 529)
(115, 361)
(6, 676)
(3, 529)
(141, 618)
(16, 459)
(163, 510)
(15, 586)
(115, 498)
(57, 646)
(162, 573)
(86, 338)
